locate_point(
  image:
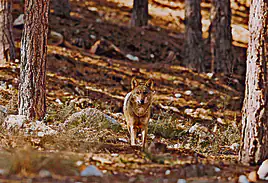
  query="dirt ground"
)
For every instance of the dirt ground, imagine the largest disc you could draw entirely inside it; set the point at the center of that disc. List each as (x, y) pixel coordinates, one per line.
(205, 103)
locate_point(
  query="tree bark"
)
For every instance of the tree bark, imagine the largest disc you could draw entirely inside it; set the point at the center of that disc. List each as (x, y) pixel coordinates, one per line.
(32, 88)
(221, 37)
(194, 53)
(7, 46)
(61, 8)
(254, 140)
(139, 13)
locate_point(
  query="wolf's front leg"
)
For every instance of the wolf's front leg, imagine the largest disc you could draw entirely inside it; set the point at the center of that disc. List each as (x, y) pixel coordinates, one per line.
(132, 135)
(144, 137)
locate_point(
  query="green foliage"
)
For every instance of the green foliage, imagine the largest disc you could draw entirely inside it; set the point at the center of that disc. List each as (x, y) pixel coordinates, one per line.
(59, 113)
(165, 126)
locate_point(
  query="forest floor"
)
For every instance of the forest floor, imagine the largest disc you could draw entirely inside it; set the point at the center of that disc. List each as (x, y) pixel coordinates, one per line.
(92, 57)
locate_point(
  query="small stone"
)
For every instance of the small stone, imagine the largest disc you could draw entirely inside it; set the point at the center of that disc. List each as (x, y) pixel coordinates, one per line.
(210, 75)
(59, 101)
(3, 109)
(177, 95)
(132, 58)
(167, 172)
(114, 154)
(188, 111)
(263, 170)
(40, 134)
(194, 128)
(217, 169)
(93, 36)
(122, 140)
(152, 55)
(12, 121)
(91, 171)
(98, 20)
(151, 136)
(219, 120)
(188, 92)
(243, 179)
(253, 176)
(210, 92)
(79, 163)
(235, 146)
(92, 9)
(2, 172)
(44, 173)
(181, 181)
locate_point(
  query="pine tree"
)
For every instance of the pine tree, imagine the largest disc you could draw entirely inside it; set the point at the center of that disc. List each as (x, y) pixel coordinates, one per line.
(7, 46)
(32, 88)
(254, 140)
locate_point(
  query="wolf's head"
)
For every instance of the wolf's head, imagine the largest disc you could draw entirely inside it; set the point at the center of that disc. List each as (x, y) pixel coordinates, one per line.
(142, 96)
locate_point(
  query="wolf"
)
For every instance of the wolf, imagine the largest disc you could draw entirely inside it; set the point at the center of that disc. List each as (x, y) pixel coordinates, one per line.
(137, 109)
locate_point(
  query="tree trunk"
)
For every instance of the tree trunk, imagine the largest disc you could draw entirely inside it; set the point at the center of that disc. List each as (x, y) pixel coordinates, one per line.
(221, 37)
(254, 140)
(61, 8)
(139, 13)
(194, 53)
(32, 88)
(7, 46)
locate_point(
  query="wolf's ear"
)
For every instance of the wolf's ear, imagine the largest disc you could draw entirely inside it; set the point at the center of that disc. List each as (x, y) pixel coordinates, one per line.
(150, 84)
(134, 83)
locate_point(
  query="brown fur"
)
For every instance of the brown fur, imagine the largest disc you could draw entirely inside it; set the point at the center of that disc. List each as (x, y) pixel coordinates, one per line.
(137, 109)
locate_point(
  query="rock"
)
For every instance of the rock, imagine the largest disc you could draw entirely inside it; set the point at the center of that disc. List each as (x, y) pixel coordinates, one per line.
(20, 122)
(188, 92)
(167, 172)
(220, 120)
(79, 163)
(122, 140)
(235, 146)
(3, 113)
(243, 179)
(59, 101)
(3, 171)
(253, 176)
(216, 169)
(132, 58)
(3, 109)
(114, 155)
(39, 128)
(91, 171)
(40, 134)
(211, 92)
(93, 36)
(90, 117)
(181, 181)
(14, 121)
(44, 173)
(263, 170)
(177, 95)
(210, 75)
(188, 111)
